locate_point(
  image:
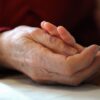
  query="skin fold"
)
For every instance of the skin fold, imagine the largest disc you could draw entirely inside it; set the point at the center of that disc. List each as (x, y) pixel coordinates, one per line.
(50, 54)
(61, 32)
(47, 56)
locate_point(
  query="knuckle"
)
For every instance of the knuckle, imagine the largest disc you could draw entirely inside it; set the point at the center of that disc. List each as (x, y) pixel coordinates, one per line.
(36, 33)
(37, 29)
(19, 27)
(22, 27)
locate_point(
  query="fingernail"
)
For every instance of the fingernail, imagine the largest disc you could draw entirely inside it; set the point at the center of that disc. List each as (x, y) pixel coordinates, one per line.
(96, 47)
(43, 22)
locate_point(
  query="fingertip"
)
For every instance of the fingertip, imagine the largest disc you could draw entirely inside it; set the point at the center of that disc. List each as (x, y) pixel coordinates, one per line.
(60, 29)
(47, 26)
(90, 52)
(95, 47)
(42, 23)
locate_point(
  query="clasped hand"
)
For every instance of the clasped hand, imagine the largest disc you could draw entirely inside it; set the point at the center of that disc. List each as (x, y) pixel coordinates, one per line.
(49, 54)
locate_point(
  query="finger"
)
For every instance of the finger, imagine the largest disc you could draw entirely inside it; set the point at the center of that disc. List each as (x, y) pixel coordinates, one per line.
(95, 78)
(48, 64)
(42, 61)
(53, 43)
(79, 47)
(75, 79)
(65, 35)
(82, 60)
(61, 32)
(78, 77)
(50, 28)
(55, 75)
(88, 72)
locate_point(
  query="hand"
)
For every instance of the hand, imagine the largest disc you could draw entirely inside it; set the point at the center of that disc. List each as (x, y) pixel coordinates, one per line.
(23, 51)
(95, 79)
(63, 34)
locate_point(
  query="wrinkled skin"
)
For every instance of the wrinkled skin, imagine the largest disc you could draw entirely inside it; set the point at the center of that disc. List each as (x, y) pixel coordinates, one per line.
(61, 33)
(46, 58)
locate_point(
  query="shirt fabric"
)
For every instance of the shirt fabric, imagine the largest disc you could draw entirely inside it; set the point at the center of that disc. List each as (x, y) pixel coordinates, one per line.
(74, 15)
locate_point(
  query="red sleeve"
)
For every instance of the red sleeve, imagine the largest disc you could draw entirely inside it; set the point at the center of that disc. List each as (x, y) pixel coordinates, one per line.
(2, 29)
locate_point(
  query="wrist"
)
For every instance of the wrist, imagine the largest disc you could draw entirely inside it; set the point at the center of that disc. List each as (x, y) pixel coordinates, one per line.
(1, 50)
(3, 58)
(7, 50)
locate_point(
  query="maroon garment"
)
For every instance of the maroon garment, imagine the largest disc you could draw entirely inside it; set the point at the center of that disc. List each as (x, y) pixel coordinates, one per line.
(69, 13)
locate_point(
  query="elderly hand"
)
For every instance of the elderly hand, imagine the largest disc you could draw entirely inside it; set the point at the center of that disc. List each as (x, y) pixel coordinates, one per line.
(45, 58)
(63, 34)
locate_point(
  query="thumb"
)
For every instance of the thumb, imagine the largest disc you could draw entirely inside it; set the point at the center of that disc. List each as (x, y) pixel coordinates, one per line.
(84, 59)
